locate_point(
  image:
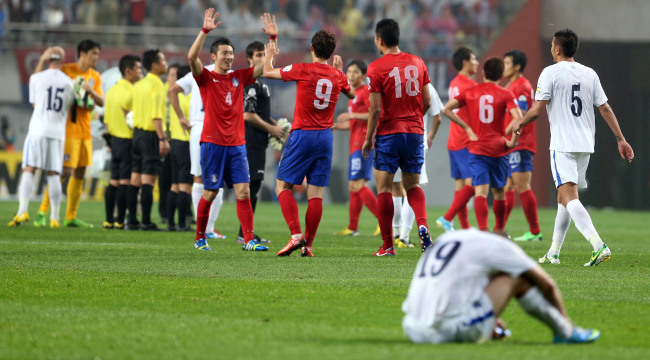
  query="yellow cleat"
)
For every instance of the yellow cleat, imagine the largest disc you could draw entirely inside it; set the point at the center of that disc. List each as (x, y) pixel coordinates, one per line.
(19, 219)
(347, 232)
(403, 243)
(377, 231)
(54, 224)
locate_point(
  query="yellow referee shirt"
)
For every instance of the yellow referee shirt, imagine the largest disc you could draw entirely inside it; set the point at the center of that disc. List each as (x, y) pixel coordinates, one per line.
(118, 97)
(175, 127)
(148, 102)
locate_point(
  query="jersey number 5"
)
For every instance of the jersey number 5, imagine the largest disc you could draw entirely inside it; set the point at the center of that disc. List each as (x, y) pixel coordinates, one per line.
(54, 100)
(576, 102)
(324, 93)
(412, 83)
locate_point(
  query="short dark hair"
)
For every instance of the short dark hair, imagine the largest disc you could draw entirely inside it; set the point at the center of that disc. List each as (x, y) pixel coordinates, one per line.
(182, 71)
(388, 31)
(149, 57)
(568, 41)
(360, 64)
(459, 56)
(128, 62)
(324, 43)
(87, 45)
(174, 66)
(493, 68)
(518, 58)
(220, 41)
(253, 47)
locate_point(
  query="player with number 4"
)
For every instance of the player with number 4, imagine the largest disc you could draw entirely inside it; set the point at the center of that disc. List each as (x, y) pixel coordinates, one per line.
(308, 151)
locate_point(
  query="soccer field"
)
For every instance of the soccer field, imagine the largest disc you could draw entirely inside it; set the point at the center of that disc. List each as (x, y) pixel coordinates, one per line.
(74, 293)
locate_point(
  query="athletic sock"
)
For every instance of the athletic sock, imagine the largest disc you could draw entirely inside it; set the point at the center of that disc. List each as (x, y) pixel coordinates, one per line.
(408, 217)
(197, 193)
(463, 218)
(417, 200)
(75, 188)
(121, 200)
(110, 193)
(355, 210)
(25, 191)
(182, 199)
(202, 214)
(536, 305)
(581, 218)
(460, 202)
(245, 216)
(397, 207)
(499, 209)
(146, 202)
(289, 209)
(45, 203)
(54, 183)
(171, 207)
(369, 199)
(481, 209)
(132, 204)
(215, 209)
(529, 204)
(312, 219)
(562, 222)
(386, 202)
(510, 204)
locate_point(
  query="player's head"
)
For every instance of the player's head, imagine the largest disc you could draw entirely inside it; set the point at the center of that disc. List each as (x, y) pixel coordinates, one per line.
(493, 69)
(386, 34)
(88, 52)
(172, 74)
(131, 68)
(183, 70)
(565, 44)
(154, 61)
(323, 44)
(464, 60)
(222, 52)
(356, 72)
(57, 54)
(255, 53)
(514, 62)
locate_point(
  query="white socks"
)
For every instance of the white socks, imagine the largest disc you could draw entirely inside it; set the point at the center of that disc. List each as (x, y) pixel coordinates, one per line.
(197, 192)
(54, 182)
(583, 222)
(408, 218)
(536, 305)
(397, 212)
(25, 191)
(214, 212)
(562, 222)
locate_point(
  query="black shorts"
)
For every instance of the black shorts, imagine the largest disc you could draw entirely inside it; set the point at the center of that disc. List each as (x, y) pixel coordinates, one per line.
(180, 157)
(146, 152)
(121, 158)
(256, 162)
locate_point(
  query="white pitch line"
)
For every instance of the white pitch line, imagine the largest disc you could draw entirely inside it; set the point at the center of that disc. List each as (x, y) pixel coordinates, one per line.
(70, 243)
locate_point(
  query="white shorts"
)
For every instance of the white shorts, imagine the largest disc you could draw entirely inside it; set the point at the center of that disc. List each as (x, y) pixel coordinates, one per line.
(475, 325)
(195, 149)
(423, 172)
(43, 153)
(569, 167)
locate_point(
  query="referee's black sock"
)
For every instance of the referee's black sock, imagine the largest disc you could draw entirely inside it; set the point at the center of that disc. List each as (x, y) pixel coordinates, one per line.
(122, 192)
(132, 204)
(181, 204)
(146, 201)
(171, 208)
(109, 201)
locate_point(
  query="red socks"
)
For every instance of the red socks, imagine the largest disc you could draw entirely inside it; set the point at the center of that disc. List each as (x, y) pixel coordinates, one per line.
(460, 203)
(499, 208)
(289, 209)
(529, 204)
(481, 210)
(417, 200)
(510, 203)
(385, 202)
(203, 212)
(355, 210)
(369, 199)
(245, 216)
(312, 219)
(463, 217)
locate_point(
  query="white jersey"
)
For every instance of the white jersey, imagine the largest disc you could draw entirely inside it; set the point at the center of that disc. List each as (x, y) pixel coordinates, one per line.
(189, 85)
(435, 109)
(455, 271)
(51, 92)
(572, 90)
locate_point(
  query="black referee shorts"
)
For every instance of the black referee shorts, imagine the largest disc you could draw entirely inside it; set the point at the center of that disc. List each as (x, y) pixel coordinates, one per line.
(256, 162)
(146, 152)
(121, 158)
(180, 157)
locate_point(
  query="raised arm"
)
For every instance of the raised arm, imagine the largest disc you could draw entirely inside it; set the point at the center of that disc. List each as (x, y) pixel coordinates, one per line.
(269, 71)
(193, 55)
(624, 149)
(271, 29)
(338, 65)
(448, 111)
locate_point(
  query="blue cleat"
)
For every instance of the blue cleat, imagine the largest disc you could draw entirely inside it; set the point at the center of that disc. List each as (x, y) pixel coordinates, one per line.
(425, 237)
(254, 245)
(202, 244)
(579, 336)
(215, 235)
(444, 224)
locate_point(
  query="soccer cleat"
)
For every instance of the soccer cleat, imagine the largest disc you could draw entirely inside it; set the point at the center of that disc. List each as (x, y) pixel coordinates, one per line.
(387, 252)
(41, 219)
(171, 228)
(555, 259)
(306, 251)
(403, 243)
(201, 244)
(118, 226)
(54, 224)
(149, 227)
(108, 225)
(292, 246)
(240, 240)
(185, 228)
(19, 219)
(261, 240)
(528, 236)
(254, 245)
(445, 224)
(599, 256)
(214, 235)
(425, 237)
(77, 223)
(347, 232)
(377, 231)
(578, 336)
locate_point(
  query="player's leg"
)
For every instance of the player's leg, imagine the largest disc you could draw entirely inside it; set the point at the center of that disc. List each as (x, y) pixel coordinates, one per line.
(399, 194)
(110, 198)
(368, 198)
(195, 165)
(498, 169)
(84, 150)
(459, 163)
(354, 208)
(172, 201)
(53, 167)
(25, 189)
(312, 216)
(528, 203)
(151, 168)
(499, 209)
(124, 176)
(164, 186)
(386, 210)
(510, 198)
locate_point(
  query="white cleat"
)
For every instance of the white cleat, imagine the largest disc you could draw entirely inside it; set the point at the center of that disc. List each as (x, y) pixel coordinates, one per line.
(599, 256)
(555, 259)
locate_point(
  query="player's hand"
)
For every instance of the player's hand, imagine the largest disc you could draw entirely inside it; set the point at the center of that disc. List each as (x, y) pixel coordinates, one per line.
(510, 143)
(86, 86)
(277, 131)
(471, 135)
(164, 148)
(270, 50)
(365, 149)
(185, 125)
(270, 28)
(625, 150)
(337, 63)
(430, 139)
(209, 20)
(344, 117)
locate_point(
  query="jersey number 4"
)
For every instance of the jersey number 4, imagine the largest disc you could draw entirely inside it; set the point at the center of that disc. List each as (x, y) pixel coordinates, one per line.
(412, 84)
(229, 99)
(54, 99)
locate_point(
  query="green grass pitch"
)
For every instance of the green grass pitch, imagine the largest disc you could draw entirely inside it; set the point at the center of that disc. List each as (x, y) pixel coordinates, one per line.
(95, 294)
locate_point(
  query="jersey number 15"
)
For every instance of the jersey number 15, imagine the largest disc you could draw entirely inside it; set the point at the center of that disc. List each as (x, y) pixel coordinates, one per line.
(54, 99)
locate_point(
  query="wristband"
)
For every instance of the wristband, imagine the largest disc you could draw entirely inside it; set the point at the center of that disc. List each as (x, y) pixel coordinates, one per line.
(518, 132)
(205, 31)
(161, 139)
(273, 37)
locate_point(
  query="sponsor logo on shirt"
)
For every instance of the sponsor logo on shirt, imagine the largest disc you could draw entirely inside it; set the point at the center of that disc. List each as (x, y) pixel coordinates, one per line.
(287, 68)
(235, 82)
(215, 80)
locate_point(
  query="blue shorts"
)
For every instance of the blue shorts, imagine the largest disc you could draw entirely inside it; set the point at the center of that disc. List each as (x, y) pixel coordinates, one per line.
(459, 163)
(221, 164)
(520, 161)
(401, 150)
(307, 153)
(360, 168)
(489, 170)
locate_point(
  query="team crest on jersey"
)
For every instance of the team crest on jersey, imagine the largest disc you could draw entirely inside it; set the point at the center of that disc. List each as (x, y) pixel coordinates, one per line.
(287, 68)
(536, 91)
(235, 82)
(214, 178)
(91, 81)
(252, 92)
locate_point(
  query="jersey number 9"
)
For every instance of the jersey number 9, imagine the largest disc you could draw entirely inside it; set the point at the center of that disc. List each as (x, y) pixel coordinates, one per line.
(323, 92)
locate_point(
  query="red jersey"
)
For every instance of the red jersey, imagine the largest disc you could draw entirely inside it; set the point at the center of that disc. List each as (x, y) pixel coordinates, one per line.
(358, 128)
(318, 89)
(399, 79)
(525, 96)
(457, 136)
(487, 105)
(223, 101)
